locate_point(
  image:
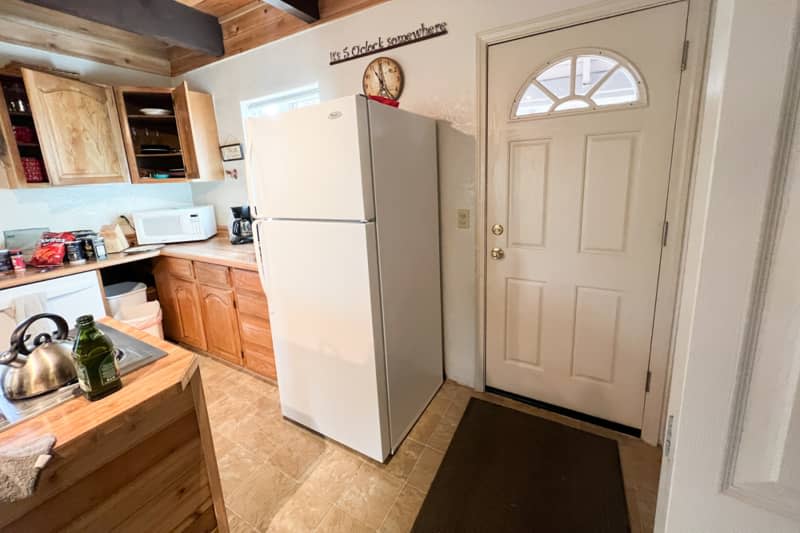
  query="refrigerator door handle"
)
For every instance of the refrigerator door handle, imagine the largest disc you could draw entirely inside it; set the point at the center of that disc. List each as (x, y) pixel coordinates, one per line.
(259, 258)
(250, 177)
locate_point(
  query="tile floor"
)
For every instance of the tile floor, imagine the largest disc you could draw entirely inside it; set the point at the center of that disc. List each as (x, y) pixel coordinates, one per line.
(277, 476)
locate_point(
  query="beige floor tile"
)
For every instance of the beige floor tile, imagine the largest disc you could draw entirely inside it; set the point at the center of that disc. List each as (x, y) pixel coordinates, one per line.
(443, 434)
(332, 474)
(296, 450)
(228, 409)
(303, 511)
(425, 426)
(448, 389)
(235, 465)
(249, 433)
(425, 470)
(370, 495)
(438, 405)
(404, 511)
(261, 495)
(236, 524)
(402, 463)
(338, 521)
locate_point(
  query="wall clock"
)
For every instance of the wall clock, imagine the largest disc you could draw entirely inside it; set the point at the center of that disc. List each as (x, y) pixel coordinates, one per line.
(383, 77)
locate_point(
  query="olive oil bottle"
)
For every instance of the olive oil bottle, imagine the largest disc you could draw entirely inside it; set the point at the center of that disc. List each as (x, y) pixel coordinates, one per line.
(95, 360)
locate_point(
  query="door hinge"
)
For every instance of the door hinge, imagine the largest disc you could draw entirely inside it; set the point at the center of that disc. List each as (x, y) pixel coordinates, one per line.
(684, 55)
(664, 233)
(668, 437)
(647, 383)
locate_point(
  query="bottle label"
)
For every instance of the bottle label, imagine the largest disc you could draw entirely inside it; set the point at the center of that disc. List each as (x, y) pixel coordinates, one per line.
(108, 370)
(83, 379)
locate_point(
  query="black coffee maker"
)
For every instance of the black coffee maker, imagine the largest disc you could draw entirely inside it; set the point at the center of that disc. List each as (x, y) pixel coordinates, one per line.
(241, 228)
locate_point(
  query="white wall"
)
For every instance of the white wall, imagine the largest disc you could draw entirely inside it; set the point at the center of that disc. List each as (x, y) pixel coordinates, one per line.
(84, 206)
(440, 82)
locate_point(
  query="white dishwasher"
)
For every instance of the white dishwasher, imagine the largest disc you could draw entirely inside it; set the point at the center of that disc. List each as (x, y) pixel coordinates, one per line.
(68, 296)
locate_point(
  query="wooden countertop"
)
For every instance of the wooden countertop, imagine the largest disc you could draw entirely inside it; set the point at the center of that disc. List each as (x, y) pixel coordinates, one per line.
(217, 250)
(79, 417)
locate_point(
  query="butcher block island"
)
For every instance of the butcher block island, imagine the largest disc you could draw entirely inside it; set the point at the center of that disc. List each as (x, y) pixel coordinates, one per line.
(141, 459)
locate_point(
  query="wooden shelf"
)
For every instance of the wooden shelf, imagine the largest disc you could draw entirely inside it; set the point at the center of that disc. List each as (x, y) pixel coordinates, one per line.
(28, 145)
(169, 154)
(20, 113)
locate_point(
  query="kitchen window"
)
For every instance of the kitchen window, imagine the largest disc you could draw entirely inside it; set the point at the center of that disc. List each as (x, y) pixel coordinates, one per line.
(277, 103)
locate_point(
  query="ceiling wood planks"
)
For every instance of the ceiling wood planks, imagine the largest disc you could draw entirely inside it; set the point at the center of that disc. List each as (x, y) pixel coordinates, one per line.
(243, 25)
(164, 20)
(37, 27)
(258, 25)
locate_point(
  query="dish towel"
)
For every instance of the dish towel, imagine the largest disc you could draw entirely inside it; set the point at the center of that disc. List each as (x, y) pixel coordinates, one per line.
(20, 465)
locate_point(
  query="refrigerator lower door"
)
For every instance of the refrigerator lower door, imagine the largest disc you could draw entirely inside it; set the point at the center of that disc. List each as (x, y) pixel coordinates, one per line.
(324, 300)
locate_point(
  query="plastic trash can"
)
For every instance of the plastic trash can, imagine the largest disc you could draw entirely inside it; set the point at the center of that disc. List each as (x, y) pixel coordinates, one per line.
(146, 317)
(125, 294)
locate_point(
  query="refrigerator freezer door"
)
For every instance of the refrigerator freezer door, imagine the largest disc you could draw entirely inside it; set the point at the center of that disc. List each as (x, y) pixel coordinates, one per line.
(312, 163)
(322, 285)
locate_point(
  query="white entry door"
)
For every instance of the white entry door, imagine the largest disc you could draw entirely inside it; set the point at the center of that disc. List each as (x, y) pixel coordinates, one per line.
(580, 137)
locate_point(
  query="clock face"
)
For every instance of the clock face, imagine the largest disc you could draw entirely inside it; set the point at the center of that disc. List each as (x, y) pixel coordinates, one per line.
(383, 77)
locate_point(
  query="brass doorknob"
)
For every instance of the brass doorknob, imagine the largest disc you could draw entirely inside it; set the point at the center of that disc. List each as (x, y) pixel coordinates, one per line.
(498, 229)
(498, 253)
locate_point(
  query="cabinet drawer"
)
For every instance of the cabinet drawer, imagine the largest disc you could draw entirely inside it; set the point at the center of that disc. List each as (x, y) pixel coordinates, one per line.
(251, 303)
(180, 268)
(256, 330)
(246, 280)
(259, 359)
(214, 275)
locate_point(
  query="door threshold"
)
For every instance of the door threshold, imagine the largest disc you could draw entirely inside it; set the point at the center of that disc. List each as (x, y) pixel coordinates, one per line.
(577, 415)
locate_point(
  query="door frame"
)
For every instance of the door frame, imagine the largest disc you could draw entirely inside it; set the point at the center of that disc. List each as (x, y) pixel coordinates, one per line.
(682, 163)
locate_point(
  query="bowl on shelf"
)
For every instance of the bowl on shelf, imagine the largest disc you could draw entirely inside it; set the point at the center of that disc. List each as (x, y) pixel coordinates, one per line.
(159, 175)
(155, 111)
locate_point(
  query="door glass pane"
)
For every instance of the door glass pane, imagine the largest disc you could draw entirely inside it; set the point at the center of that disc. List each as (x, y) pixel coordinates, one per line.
(533, 101)
(620, 88)
(571, 104)
(589, 70)
(557, 78)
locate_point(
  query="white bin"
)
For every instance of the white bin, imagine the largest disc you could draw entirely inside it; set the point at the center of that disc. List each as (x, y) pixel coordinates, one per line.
(146, 317)
(125, 294)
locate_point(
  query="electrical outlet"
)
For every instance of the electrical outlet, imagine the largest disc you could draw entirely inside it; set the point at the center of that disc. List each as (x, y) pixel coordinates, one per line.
(462, 219)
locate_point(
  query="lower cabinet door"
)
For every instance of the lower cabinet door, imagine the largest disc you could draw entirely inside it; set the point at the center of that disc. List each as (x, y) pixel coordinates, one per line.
(222, 327)
(189, 323)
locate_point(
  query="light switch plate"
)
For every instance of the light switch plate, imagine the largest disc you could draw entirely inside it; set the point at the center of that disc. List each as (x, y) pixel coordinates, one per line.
(462, 218)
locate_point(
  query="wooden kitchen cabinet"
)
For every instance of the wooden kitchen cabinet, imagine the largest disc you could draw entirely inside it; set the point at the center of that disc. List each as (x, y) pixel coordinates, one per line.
(186, 134)
(219, 316)
(180, 304)
(78, 129)
(232, 307)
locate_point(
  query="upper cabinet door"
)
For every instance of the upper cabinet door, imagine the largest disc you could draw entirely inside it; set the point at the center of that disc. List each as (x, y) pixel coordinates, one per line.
(197, 132)
(78, 130)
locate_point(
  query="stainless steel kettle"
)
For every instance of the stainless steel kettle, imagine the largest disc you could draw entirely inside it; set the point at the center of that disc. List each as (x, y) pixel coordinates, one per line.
(48, 366)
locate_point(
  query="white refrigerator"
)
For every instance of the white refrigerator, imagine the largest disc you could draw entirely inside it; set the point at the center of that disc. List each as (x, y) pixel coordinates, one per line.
(346, 206)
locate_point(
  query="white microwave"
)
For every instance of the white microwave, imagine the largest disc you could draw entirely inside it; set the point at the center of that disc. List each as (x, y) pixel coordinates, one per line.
(182, 224)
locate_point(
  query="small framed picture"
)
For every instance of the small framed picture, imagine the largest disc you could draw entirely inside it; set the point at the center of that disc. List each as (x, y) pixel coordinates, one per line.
(232, 152)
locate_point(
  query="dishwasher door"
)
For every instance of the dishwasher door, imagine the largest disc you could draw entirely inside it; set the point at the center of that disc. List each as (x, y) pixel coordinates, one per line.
(68, 296)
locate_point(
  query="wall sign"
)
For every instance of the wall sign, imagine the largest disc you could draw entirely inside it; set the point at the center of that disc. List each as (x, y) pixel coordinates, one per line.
(231, 152)
(383, 43)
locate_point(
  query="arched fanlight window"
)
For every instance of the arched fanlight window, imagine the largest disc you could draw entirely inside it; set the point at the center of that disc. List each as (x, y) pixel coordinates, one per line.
(580, 81)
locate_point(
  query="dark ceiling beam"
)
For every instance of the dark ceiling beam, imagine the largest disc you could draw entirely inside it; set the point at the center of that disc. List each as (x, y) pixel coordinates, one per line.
(165, 20)
(305, 10)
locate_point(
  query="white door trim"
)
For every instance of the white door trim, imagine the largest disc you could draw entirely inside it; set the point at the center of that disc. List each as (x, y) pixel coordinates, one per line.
(679, 189)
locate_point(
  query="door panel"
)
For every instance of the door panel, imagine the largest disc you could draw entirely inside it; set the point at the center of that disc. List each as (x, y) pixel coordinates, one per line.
(334, 182)
(219, 315)
(78, 129)
(324, 305)
(190, 318)
(581, 197)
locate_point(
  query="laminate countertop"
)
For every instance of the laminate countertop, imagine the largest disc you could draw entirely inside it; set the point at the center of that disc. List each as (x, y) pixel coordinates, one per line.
(217, 250)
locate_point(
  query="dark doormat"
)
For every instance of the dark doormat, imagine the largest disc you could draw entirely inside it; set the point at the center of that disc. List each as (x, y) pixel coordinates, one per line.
(509, 471)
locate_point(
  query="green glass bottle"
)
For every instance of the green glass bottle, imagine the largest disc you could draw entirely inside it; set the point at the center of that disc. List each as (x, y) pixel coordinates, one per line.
(95, 360)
